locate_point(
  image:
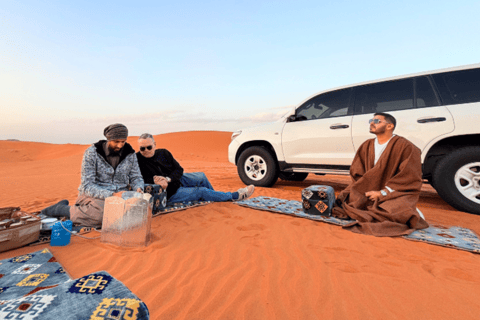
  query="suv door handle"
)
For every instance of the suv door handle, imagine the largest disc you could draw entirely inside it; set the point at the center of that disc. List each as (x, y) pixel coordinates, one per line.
(339, 126)
(425, 120)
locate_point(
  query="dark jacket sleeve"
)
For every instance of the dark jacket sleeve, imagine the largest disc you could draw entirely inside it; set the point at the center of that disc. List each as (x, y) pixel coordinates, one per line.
(176, 168)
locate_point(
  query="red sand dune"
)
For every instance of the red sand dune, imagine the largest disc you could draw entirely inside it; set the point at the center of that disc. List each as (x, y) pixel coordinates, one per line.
(223, 261)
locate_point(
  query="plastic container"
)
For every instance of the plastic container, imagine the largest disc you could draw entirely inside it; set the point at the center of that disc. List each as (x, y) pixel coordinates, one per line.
(127, 220)
(60, 236)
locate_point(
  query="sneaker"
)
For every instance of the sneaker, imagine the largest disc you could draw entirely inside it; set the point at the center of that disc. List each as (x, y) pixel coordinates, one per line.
(246, 192)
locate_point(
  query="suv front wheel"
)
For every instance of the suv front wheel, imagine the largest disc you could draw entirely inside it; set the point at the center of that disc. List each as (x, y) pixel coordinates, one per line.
(257, 166)
(457, 179)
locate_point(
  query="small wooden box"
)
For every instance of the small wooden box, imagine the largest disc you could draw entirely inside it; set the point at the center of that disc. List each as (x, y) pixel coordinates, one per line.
(17, 228)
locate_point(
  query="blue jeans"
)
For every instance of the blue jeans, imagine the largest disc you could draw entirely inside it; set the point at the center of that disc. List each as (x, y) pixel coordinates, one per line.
(195, 179)
(195, 186)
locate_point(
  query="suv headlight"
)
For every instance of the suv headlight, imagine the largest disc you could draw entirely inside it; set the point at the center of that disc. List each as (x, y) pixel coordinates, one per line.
(236, 134)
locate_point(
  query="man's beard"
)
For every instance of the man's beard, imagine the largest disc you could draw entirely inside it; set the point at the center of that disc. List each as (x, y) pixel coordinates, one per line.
(377, 130)
(114, 152)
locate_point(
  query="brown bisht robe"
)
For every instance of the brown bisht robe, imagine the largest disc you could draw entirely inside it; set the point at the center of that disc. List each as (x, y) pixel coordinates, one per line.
(400, 168)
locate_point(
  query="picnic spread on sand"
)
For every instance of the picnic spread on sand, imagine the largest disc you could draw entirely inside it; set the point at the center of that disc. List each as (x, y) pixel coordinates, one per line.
(180, 233)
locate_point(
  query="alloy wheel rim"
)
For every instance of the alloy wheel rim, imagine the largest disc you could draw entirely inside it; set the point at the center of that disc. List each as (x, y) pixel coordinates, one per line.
(467, 181)
(255, 167)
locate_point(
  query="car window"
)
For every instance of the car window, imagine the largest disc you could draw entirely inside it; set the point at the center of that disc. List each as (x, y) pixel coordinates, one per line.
(424, 93)
(384, 96)
(326, 105)
(339, 112)
(459, 86)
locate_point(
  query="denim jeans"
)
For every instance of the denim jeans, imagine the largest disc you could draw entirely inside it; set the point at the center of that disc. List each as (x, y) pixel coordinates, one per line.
(195, 179)
(195, 186)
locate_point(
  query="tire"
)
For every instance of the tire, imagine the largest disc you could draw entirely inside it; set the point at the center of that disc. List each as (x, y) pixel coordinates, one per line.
(430, 181)
(257, 166)
(293, 176)
(457, 179)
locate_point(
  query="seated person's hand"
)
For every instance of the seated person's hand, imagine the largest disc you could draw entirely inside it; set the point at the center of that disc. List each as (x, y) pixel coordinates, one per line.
(373, 195)
(162, 181)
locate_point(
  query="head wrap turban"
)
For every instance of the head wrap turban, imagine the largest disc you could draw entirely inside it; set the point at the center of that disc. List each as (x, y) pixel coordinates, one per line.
(116, 131)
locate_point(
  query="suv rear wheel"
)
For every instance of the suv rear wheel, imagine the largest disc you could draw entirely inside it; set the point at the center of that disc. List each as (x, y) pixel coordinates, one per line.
(257, 166)
(457, 179)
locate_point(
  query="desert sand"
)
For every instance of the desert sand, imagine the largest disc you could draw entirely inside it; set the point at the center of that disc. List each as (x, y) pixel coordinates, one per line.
(223, 261)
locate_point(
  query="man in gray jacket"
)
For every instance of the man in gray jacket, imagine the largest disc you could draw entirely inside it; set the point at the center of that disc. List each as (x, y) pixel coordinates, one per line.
(109, 167)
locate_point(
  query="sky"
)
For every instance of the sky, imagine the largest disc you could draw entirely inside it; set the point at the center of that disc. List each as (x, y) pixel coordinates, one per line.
(68, 69)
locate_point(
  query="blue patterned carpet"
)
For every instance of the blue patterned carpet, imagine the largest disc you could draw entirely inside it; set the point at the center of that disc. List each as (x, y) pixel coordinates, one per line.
(453, 237)
(35, 286)
(30, 273)
(171, 207)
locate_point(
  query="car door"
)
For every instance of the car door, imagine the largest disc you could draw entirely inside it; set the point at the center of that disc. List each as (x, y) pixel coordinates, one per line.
(412, 102)
(321, 131)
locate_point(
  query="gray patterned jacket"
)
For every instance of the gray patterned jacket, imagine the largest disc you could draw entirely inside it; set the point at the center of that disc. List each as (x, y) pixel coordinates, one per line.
(100, 180)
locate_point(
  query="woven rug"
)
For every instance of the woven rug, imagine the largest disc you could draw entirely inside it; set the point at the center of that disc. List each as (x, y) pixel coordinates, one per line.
(453, 237)
(290, 207)
(24, 275)
(94, 296)
(35, 286)
(171, 207)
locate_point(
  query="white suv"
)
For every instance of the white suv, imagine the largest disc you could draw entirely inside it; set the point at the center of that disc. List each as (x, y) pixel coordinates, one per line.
(439, 111)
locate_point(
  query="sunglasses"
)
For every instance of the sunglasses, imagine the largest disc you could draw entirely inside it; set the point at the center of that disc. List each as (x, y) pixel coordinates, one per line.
(377, 121)
(148, 148)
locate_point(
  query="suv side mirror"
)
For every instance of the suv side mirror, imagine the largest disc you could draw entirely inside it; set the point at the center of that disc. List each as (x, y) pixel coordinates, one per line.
(291, 118)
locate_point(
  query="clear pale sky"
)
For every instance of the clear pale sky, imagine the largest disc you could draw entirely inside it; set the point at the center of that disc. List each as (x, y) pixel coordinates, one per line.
(70, 68)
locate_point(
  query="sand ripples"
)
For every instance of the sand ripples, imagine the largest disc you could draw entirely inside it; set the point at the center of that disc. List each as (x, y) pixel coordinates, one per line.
(223, 261)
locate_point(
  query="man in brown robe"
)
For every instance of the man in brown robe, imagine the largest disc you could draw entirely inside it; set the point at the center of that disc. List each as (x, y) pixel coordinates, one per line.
(386, 181)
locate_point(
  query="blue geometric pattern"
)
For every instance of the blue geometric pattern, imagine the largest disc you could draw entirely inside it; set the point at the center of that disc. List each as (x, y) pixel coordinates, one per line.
(91, 284)
(60, 270)
(21, 259)
(453, 237)
(171, 207)
(115, 301)
(290, 207)
(27, 268)
(47, 292)
(27, 273)
(29, 307)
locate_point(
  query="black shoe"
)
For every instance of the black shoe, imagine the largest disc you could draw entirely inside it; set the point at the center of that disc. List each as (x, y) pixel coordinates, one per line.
(60, 209)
